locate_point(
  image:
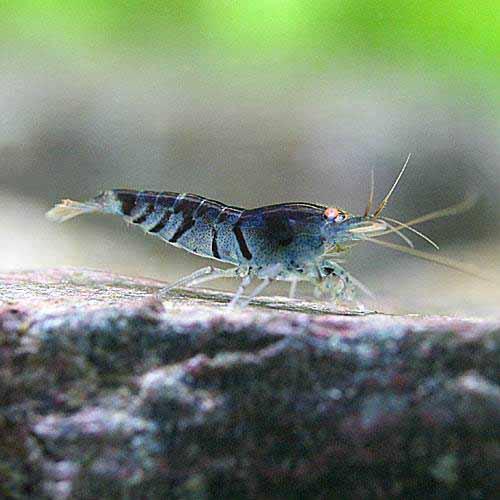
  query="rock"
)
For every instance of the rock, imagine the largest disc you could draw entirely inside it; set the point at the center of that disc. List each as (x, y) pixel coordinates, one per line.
(109, 393)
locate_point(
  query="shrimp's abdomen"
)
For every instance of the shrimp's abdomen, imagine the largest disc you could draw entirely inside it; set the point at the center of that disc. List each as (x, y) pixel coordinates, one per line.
(189, 221)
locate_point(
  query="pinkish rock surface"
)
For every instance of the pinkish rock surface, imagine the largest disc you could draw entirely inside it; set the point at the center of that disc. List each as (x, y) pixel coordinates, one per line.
(107, 392)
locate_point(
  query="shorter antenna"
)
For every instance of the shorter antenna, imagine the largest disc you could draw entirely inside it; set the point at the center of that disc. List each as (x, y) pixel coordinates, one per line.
(372, 191)
(383, 203)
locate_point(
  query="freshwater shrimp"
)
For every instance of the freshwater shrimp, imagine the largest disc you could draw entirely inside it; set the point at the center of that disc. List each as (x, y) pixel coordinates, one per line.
(292, 242)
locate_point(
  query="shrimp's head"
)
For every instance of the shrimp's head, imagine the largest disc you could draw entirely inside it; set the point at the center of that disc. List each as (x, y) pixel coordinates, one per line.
(340, 226)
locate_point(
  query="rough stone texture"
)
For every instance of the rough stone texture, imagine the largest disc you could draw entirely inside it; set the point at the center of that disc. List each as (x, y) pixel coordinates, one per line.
(108, 393)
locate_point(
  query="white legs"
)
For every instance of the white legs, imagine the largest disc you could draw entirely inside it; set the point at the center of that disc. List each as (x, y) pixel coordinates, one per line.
(203, 275)
(330, 279)
(245, 283)
(267, 276)
(210, 273)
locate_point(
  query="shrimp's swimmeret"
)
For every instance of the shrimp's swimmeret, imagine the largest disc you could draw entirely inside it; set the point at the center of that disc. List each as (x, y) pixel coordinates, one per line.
(289, 241)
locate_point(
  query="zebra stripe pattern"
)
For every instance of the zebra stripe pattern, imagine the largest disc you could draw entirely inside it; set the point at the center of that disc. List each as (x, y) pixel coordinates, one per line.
(202, 226)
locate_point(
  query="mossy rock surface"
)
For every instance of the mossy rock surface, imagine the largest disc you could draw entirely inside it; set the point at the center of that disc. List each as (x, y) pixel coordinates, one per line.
(106, 392)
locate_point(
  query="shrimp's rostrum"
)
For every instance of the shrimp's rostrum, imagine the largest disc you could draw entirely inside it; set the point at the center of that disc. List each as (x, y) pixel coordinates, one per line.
(289, 241)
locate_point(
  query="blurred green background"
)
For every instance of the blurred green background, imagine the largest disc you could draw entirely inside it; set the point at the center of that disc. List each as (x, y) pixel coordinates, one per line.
(253, 102)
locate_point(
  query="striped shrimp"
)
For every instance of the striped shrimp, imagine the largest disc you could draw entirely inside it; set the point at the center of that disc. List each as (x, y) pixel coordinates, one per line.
(291, 242)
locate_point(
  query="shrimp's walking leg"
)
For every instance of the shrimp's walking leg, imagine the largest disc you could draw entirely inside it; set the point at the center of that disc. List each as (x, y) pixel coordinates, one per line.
(245, 283)
(203, 275)
(267, 276)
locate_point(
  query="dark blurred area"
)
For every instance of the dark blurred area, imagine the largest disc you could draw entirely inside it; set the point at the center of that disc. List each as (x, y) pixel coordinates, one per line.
(253, 103)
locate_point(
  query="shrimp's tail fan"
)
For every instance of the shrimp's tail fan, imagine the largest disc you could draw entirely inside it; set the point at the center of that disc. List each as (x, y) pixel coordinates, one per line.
(68, 209)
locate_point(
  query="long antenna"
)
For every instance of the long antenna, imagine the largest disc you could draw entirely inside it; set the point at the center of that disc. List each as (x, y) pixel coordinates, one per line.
(383, 203)
(458, 208)
(442, 261)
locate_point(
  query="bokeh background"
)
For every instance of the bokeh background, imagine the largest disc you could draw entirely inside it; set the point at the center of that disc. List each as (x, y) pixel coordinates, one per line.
(254, 102)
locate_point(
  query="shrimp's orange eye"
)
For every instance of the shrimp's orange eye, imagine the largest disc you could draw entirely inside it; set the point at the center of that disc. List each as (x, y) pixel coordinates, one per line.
(334, 214)
(331, 213)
